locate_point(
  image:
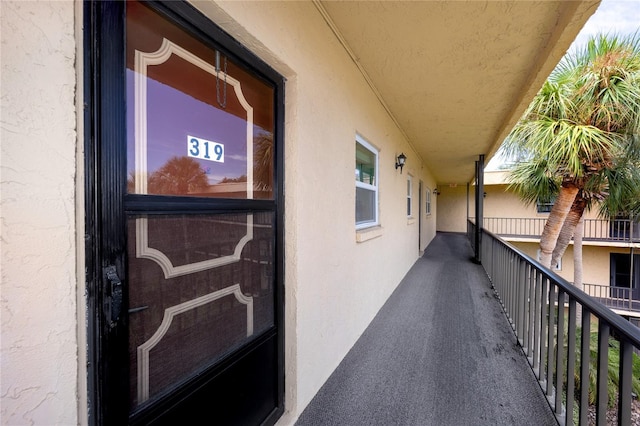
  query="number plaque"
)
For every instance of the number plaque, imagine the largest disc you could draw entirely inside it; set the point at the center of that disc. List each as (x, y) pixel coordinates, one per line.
(204, 149)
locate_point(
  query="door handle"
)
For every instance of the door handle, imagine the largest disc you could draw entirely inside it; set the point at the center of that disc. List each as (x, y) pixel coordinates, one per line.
(114, 300)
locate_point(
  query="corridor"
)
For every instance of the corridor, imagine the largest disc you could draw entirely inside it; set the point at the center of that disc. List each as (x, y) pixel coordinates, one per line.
(439, 352)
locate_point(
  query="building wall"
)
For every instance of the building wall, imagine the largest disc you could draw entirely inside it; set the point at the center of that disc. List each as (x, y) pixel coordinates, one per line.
(334, 284)
(500, 202)
(452, 208)
(39, 372)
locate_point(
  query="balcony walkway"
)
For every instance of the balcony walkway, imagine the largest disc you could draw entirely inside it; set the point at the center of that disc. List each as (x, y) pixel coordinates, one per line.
(439, 352)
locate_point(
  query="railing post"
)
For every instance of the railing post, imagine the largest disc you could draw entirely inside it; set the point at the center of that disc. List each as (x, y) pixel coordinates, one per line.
(544, 328)
(550, 339)
(537, 323)
(521, 295)
(585, 360)
(624, 387)
(479, 207)
(559, 353)
(528, 330)
(571, 360)
(602, 397)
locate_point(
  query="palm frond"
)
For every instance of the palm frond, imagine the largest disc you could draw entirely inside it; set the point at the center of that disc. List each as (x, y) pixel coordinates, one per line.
(534, 181)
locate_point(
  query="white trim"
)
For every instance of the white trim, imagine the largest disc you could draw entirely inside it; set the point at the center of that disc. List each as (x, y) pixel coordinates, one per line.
(369, 233)
(169, 314)
(375, 187)
(142, 61)
(143, 251)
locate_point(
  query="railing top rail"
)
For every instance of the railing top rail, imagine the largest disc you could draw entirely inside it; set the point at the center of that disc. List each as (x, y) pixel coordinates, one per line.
(629, 331)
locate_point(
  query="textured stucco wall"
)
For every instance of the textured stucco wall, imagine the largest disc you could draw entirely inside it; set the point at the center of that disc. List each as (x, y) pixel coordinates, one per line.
(37, 184)
(502, 202)
(335, 285)
(452, 208)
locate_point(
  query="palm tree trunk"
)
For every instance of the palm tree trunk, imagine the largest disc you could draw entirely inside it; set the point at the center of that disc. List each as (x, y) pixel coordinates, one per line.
(569, 227)
(557, 216)
(577, 263)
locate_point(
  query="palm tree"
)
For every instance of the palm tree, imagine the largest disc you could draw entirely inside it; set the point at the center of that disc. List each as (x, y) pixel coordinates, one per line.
(581, 127)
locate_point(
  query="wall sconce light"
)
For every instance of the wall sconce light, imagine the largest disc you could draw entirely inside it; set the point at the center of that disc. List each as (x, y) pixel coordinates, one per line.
(400, 161)
(436, 192)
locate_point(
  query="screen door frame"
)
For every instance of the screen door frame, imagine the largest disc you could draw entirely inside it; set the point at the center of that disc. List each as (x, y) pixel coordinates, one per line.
(105, 187)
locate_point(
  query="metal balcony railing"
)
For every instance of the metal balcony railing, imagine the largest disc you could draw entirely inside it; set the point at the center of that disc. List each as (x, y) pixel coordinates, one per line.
(553, 322)
(619, 298)
(618, 230)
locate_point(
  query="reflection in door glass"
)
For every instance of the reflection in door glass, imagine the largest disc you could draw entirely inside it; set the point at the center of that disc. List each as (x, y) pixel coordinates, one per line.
(200, 286)
(199, 124)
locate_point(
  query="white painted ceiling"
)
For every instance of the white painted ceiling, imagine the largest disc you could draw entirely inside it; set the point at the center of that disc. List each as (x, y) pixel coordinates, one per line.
(456, 75)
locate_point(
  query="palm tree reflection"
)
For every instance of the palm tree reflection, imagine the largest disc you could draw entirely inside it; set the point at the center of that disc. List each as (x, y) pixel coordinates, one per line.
(185, 175)
(178, 176)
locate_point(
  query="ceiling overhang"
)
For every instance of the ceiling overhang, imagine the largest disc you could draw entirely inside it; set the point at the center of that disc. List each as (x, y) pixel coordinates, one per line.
(455, 76)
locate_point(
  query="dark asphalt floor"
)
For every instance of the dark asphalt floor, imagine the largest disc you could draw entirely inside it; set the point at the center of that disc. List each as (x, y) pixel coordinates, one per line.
(439, 352)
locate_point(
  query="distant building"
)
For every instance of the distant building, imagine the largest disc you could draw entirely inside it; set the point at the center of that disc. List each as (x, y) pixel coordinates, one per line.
(609, 273)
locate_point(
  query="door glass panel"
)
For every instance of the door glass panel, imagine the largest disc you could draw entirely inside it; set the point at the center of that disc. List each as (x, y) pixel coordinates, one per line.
(198, 123)
(200, 286)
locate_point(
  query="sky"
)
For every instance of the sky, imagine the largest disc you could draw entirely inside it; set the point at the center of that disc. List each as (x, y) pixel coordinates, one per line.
(612, 16)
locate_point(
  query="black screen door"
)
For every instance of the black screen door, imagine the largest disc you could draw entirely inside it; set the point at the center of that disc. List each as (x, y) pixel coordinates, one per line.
(186, 213)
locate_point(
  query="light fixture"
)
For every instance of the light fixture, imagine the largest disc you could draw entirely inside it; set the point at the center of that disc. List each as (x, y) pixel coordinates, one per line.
(400, 161)
(436, 192)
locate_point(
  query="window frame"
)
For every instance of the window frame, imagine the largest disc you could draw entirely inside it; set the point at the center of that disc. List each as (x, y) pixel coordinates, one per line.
(370, 187)
(105, 194)
(427, 210)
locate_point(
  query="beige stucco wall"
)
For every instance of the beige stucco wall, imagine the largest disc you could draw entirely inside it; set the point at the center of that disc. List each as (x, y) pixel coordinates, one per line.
(39, 371)
(452, 208)
(502, 202)
(335, 285)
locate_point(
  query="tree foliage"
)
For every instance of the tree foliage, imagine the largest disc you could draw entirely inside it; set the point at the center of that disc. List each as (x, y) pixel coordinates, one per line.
(579, 140)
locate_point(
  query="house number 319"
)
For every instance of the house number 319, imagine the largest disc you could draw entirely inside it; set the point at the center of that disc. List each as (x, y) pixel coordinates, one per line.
(204, 149)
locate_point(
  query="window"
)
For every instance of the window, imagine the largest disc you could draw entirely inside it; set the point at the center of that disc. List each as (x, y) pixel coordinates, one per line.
(366, 184)
(544, 206)
(622, 272)
(428, 201)
(409, 190)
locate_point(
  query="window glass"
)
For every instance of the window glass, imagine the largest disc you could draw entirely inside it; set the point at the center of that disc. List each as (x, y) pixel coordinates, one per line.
(428, 200)
(199, 124)
(545, 206)
(365, 165)
(366, 173)
(201, 287)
